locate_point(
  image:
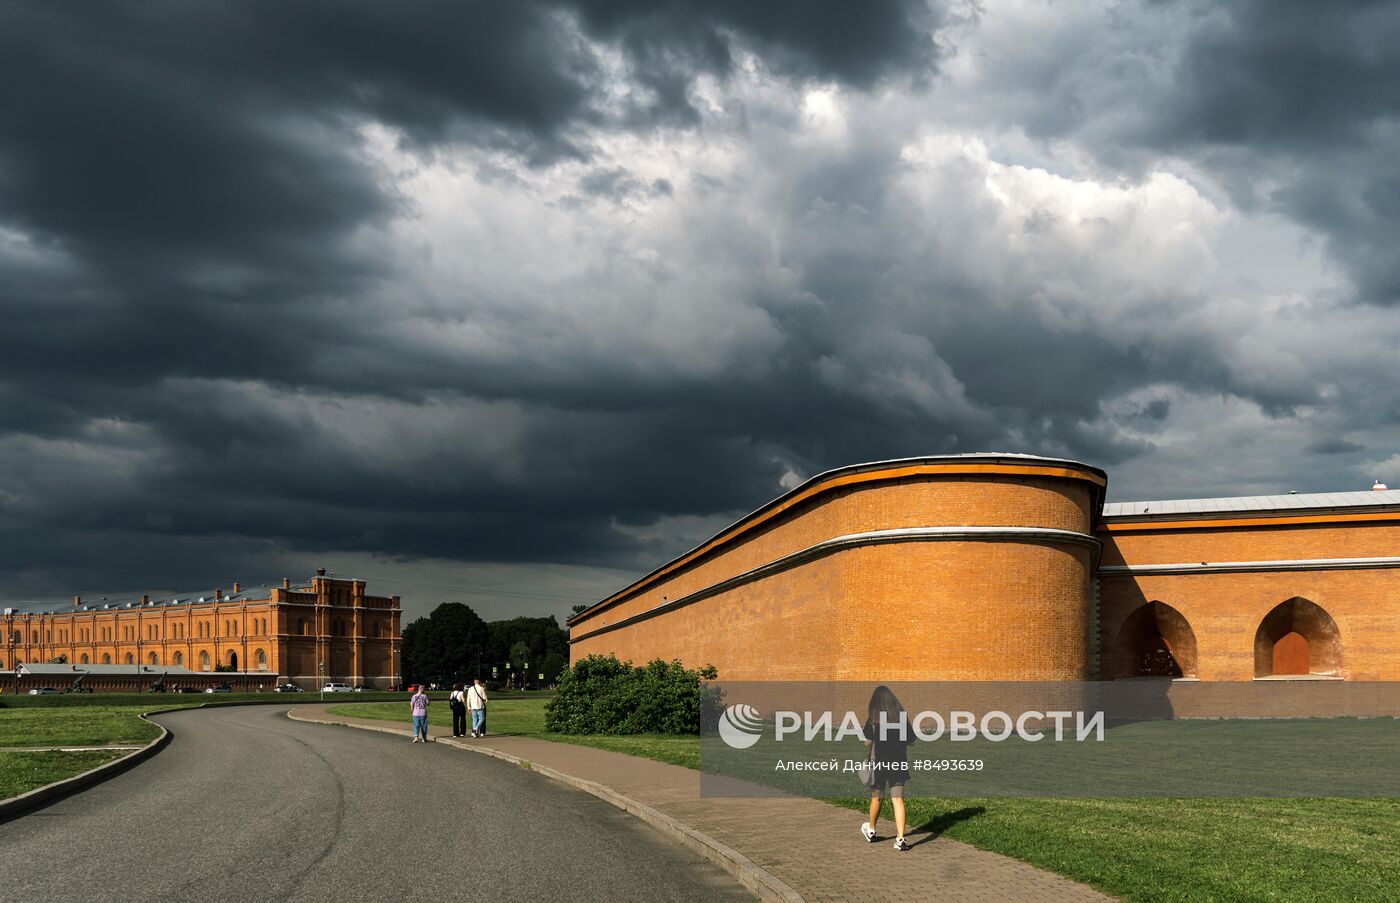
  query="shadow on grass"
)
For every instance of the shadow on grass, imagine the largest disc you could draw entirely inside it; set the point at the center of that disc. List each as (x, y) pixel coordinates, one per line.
(934, 827)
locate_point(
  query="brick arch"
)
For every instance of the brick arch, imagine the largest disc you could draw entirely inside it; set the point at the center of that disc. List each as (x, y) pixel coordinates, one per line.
(1297, 637)
(1155, 640)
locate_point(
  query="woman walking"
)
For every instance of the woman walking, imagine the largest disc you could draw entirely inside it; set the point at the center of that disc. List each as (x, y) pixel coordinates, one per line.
(418, 705)
(890, 753)
(458, 703)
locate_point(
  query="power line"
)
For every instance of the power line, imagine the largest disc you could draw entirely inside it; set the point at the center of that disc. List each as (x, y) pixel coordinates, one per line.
(482, 590)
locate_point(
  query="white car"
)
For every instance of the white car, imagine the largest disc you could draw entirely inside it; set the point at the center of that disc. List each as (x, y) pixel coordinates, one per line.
(338, 688)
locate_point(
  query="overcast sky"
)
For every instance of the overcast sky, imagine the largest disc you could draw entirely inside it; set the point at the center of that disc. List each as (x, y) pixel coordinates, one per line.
(511, 302)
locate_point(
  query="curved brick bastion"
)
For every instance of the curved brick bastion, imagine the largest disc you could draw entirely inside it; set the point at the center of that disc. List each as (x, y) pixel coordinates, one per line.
(962, 567)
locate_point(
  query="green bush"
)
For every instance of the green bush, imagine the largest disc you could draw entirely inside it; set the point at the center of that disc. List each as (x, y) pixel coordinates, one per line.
(601, 695)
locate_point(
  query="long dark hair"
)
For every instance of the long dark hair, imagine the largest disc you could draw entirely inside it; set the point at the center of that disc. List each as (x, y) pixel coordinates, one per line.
(884, 700)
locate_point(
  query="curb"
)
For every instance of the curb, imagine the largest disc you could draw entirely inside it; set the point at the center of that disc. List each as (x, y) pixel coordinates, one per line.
(41, 796)
(750, 874)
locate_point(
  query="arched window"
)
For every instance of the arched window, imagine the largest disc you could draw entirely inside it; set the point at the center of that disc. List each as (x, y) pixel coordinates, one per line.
(36, 637)
(301, 626)
(233, 660)
(1297, 638)
(261, 658)
(204, 661)
(153, 659)
(83, 660)
(106, 659)
(178, 658)
(130, 659)
(1155, 641)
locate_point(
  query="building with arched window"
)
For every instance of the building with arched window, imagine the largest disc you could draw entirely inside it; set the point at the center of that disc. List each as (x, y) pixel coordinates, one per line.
(328, 628)
(1013, 567)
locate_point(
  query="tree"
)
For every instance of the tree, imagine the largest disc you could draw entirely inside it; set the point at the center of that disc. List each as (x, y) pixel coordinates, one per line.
(447, 644)
(541, 636)
(554, 664)
(582, 606)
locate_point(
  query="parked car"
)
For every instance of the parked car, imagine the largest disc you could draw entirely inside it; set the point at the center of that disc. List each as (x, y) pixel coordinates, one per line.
(221, 688)
(187, 689)
(287, 688)
(45, 691)
(338, 688)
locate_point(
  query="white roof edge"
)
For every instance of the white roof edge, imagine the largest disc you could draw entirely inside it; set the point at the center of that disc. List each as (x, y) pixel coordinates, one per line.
(1245, 504)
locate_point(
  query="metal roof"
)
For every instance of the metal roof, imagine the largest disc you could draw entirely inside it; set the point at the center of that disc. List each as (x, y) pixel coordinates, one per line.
(1386, 498)
(121, 603)
(47, 669)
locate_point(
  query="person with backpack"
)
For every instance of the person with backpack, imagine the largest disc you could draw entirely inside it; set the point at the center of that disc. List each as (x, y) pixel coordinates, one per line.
(476, 702)
(418, 705)
(457, 701)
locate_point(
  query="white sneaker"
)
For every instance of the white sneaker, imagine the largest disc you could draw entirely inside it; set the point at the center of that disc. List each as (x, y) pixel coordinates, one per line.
(867, 831)
(901, 844)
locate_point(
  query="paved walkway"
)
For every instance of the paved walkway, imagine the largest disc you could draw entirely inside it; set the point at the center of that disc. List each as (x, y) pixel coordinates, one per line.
(813, 847)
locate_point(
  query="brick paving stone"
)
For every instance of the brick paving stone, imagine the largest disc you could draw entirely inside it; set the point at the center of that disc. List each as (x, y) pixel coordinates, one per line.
(813, 846)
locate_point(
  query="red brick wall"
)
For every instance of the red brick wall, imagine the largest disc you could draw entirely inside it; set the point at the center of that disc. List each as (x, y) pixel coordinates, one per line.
(1225, 610)
(996, 609)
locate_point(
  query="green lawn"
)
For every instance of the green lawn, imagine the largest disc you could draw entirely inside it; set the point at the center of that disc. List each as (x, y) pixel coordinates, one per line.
(525, 718)
(1162, 850)
(74, 726)
(91, 725)
(21, 772)
(1148, 850)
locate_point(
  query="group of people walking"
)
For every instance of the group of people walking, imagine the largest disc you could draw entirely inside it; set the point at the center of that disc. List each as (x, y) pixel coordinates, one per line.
(470, 699)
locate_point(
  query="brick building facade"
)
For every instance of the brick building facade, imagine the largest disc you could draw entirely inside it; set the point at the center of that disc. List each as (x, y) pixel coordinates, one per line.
(327, 628)
(1011, 567)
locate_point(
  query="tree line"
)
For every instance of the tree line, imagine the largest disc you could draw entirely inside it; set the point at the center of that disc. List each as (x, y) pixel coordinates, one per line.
(453, 644)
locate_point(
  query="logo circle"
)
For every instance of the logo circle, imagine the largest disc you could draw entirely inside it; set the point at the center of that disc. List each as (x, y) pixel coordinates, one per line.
(740, 726)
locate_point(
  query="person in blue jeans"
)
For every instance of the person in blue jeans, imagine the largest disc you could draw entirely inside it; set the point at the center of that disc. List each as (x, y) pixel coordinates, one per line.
(418, 705)
(476, 704)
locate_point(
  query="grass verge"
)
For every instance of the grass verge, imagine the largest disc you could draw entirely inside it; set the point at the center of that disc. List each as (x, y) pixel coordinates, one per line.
(21, 772)
(525, 718)
(74, 726)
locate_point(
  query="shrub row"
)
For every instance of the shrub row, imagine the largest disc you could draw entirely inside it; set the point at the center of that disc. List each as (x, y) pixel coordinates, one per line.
(601, 695)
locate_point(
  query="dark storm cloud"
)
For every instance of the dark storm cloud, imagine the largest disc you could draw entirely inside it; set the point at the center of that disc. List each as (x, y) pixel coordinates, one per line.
(195, 226)
(670, 42)
(251, 311)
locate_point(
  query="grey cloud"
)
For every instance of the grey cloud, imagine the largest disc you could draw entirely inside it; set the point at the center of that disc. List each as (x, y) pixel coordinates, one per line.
(236, 332)
(1292, 107)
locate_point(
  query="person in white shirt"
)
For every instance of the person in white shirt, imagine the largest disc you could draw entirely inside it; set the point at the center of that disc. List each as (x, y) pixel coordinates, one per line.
(476, 703)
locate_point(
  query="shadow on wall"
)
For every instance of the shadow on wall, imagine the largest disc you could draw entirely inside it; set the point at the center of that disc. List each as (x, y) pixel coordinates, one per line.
(1155, 641)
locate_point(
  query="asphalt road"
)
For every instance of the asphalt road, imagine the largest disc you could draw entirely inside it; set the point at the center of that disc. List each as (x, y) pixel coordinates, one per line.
(246, 806)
